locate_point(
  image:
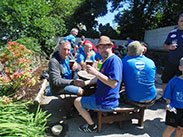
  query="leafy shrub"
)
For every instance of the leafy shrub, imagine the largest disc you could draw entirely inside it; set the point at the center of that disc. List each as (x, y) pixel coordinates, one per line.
(16, 120)
(30, 43)
(17, 69)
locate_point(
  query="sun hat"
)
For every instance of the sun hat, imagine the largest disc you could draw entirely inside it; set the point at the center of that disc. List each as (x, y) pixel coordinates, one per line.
(181, 61)
(134, 48)
(104, 40)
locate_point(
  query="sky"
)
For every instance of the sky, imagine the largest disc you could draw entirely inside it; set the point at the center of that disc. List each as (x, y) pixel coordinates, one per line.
(109, 17)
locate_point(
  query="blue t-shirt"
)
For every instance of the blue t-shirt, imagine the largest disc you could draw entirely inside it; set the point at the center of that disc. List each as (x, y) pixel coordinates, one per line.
(82, 57)
(66, 67)
(72, 40)
(174, 92)
(81, 49)
(139, 77)
(98, 56)
(175, 55)
(106, 96)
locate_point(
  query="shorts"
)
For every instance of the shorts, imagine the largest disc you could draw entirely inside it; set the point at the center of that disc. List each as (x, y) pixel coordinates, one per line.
(72, 89)
(170, 71)
(90, 103)
(124, 99)
(173, 119)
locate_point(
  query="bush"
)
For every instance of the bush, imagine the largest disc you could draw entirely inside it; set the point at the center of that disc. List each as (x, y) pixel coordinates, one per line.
(30, 43)
(17, 69)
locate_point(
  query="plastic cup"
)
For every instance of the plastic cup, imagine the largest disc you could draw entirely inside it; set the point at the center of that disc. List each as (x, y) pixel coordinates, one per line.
(99, 65)
(57, 129)
(71, 63)
(89, 62)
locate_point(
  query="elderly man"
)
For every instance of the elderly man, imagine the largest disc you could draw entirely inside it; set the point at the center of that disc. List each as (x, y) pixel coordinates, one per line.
(139, 76)
(60, 76)
(72, 39)
(87, 55)
(108, 80)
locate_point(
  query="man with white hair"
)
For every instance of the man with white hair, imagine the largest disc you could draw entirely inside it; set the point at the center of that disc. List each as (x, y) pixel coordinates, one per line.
(72, 39)
(61, 77)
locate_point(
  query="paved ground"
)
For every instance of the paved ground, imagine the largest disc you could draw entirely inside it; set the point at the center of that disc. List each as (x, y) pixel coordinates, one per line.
(154, 120)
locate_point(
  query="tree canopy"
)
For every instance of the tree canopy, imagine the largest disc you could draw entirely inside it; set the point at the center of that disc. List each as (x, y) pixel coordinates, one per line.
(39, 19)
(142, 15)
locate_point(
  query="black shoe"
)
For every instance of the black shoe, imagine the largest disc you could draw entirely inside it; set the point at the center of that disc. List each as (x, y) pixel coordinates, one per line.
(88, 128)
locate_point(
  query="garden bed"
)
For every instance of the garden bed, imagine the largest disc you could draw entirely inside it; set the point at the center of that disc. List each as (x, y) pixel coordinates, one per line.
(30, 93)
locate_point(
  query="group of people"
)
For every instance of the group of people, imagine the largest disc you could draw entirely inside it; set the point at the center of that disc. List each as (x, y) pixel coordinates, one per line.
(136, 71)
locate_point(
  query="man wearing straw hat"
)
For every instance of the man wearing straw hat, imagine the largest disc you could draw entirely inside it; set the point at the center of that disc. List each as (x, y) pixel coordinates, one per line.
(108, 79)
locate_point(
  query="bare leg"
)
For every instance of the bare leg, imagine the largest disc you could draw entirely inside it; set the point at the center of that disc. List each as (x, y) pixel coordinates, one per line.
(179, 132)
(80, 92)
(168, 131)
(83, 112)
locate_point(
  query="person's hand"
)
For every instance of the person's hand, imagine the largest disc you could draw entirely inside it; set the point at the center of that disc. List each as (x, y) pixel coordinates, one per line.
(89, 54)
(75, 66)
(173, 46)
(91, 70)
(79, 83)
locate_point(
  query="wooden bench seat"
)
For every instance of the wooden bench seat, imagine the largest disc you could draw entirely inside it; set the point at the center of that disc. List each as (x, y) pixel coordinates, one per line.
(123, 113)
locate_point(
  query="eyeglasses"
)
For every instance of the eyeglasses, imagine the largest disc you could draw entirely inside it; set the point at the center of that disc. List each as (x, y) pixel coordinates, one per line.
(104, 46)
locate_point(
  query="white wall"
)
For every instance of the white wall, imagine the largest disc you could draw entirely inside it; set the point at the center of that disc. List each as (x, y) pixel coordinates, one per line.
(156, 37)
(94, 41)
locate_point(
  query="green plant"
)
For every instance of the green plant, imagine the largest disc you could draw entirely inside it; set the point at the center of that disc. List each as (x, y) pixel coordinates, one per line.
(30, 43)
(16, 120)
(17, 69)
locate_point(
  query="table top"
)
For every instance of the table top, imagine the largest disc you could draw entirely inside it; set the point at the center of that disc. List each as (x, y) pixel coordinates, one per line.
(85, 75)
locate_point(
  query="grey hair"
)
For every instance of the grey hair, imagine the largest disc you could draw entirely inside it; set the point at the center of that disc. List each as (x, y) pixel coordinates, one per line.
(63, 42)
(74, 29)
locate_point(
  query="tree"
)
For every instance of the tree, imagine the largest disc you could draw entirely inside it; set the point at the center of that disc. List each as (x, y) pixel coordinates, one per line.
(142, 15)
(39, 19)
(107, 30)
(89, 11)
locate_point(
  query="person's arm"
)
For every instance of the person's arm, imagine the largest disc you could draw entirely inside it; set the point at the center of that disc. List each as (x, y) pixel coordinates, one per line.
(102, 77)
(169, 47)
(55, 75)
(91, 82)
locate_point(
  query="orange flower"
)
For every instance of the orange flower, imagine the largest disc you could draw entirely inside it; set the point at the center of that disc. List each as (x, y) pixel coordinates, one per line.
(22, 46)
(9, 47)
(29, 51)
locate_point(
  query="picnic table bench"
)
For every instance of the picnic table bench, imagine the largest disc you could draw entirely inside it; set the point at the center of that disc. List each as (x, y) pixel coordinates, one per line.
(122, 113)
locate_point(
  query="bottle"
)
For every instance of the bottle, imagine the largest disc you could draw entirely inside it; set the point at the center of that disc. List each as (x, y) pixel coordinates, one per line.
(172, 109)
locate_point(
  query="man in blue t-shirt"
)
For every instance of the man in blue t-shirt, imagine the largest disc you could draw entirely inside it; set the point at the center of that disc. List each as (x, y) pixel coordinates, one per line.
(174, 97)
(87, 55)
(106, 97)
(139, 76)
(72, 39)
(174, 44)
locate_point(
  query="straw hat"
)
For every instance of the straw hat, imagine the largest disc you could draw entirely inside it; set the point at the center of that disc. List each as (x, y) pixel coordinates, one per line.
(134, 48)
(104, 40)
